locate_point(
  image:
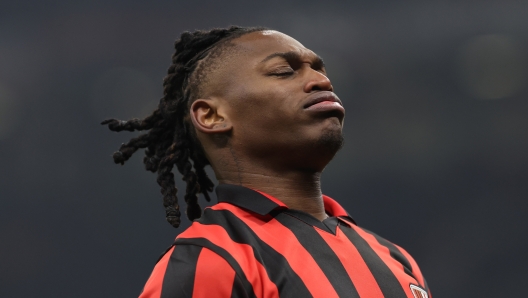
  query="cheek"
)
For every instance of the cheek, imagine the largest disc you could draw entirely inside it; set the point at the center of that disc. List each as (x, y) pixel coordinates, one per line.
(263, 109)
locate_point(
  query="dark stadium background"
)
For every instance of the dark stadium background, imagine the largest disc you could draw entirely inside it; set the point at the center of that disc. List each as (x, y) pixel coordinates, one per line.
(436, 134)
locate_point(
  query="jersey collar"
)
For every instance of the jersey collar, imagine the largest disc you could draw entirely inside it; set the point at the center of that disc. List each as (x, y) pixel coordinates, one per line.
(263, 203)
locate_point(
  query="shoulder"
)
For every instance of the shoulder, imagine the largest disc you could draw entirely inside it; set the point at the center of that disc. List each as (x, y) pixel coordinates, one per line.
(205, 257)
(397, 253)
(223, 230)
(188, 270)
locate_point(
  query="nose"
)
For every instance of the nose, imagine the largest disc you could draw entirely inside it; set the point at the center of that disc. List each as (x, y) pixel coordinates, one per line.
(317, 81)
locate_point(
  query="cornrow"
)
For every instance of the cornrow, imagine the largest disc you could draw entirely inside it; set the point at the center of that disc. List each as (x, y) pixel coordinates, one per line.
(170, 141)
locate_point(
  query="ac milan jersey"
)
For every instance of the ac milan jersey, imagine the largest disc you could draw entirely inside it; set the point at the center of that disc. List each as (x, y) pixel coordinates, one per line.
(252, 245)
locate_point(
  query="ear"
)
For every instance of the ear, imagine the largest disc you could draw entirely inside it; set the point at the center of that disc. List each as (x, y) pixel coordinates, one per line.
(207, 117)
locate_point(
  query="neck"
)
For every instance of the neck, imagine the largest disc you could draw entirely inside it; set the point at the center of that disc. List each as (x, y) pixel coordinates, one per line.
(297, 189)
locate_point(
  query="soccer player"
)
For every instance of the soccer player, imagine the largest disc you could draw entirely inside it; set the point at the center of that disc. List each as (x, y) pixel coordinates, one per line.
(258, 107)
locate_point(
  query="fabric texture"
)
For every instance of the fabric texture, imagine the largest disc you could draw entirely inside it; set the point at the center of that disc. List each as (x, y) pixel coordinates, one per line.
(251, 245)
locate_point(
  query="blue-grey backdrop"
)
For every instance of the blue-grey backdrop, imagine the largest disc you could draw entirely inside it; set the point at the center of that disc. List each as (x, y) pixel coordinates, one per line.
(436, 134)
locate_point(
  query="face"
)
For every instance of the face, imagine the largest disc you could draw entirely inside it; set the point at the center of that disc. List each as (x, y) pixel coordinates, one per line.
(276, 95)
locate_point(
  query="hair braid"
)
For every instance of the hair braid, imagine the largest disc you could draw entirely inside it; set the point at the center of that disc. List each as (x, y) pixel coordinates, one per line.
(184, 166)
(133, 124)
(169, 140)
(168, 186)
(199, 162)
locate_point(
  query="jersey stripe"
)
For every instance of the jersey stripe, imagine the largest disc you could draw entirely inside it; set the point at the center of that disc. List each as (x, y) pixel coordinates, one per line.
(248, 287)
(300, 260)
(237, 290)
(397, 254)
(316, 243)
(152, 288)
(242, 253)
(181, 268)
(389, 284)
(208, 267)
(278, 270)
(355, 266)
(404, 280)
(413, 265)
(417, 271)
(251, 245)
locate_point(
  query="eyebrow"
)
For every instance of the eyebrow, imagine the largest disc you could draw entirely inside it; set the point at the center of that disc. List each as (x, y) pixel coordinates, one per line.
(295, 56)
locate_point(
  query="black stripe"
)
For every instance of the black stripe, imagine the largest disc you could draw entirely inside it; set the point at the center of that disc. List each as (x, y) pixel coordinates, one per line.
(238, 290)
(388, 283)
(396, 254)
(179, 276)
(166, 251)
(279, 271)
(323, 255)
(202, 242)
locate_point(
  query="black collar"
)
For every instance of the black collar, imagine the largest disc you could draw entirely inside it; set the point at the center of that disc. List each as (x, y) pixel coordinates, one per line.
(263, 204)
(246, 198)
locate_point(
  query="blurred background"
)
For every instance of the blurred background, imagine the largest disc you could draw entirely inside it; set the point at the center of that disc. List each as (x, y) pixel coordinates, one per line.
(436, 134)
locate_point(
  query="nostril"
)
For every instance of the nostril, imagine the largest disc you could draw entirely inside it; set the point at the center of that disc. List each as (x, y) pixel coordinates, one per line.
(319, 83)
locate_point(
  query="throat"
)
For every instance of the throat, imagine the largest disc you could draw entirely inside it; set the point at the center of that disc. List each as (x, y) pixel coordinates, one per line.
(298, 191)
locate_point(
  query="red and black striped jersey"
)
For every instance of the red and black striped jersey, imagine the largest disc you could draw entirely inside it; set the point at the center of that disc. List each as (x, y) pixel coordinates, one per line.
(252, 245)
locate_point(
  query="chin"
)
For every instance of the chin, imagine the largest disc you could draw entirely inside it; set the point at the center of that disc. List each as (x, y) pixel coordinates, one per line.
(331, 141)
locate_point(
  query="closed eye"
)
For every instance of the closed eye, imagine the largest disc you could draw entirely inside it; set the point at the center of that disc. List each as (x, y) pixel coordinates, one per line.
(283, 72)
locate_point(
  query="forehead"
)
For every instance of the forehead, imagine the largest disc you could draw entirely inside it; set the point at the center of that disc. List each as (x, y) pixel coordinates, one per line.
(262, 43)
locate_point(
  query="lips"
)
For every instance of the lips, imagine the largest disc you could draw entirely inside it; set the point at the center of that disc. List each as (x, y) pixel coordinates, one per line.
(323, 101)
(320, 97)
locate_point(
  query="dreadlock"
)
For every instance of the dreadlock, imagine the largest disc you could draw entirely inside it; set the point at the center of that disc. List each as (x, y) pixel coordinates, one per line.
(170, 139)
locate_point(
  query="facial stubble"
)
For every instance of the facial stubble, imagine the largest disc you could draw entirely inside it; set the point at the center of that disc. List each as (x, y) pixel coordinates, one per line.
(331, 140)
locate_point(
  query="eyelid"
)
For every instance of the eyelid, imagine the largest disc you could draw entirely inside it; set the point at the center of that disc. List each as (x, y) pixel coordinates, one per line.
(282, 69)
(286, 67)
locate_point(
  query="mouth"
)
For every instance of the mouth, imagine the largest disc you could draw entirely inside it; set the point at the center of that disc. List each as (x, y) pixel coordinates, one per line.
(324, 101)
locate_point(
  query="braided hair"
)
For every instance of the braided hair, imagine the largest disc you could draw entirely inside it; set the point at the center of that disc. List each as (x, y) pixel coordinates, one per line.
(170, 140)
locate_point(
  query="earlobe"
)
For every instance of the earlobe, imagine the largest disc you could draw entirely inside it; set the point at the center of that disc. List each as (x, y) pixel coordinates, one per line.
(206, 117)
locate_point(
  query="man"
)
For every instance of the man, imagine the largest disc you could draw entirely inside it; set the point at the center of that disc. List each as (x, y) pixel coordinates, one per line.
(258, 107)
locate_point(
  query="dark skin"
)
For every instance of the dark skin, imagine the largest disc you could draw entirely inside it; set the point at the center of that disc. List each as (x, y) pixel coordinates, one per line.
(255, 126)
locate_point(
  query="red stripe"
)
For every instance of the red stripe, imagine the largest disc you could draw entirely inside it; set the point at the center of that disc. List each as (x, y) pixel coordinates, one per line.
(154, 284)
(332, 207)
(383, 252)
(302, 263)
(415, 269)
(242, 253)
(214, 276)
(354, 264)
